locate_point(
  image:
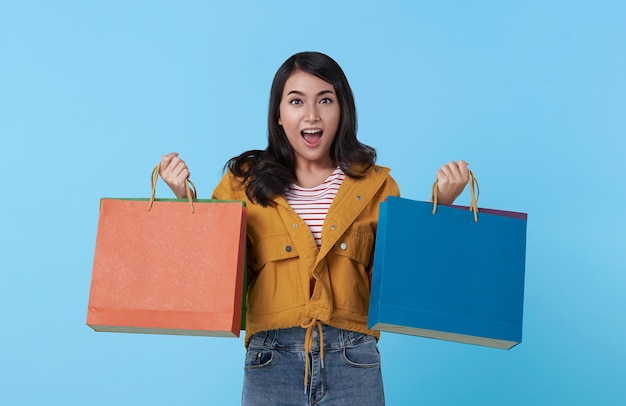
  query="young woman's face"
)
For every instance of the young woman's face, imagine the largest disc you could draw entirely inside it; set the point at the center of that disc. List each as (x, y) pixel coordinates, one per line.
(309, 114)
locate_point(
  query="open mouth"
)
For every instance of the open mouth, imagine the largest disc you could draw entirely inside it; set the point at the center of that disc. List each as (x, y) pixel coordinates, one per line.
(312, 137)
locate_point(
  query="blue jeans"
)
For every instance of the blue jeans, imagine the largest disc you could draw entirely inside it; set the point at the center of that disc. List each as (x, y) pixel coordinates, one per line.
(275, 367)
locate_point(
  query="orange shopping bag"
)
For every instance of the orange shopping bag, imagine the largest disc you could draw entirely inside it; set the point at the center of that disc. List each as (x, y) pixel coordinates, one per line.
(168, 266)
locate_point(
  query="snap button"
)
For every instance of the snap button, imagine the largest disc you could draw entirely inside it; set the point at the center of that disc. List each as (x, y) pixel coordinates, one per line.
(288, 248)
(315, 334)
(358, 197)
(377, 169)
(343, 245)
(333, 227)
(294, 225)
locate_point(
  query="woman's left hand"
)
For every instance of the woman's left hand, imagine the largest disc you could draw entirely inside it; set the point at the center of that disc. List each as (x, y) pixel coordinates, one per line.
(451, 180)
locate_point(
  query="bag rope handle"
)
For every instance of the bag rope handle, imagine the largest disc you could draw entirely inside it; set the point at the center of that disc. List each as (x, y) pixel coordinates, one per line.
(474, 192)
(191, 191)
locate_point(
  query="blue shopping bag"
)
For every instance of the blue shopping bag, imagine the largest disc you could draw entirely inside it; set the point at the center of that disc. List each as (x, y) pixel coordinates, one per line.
(448, 275)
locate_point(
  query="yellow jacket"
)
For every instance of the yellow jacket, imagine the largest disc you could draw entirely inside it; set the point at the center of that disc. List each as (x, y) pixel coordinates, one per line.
(284, 261)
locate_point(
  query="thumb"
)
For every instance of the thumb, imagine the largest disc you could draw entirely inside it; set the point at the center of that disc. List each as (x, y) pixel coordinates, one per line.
(166, 159)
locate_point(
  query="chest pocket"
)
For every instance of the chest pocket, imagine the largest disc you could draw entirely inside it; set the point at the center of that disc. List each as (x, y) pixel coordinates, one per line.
(276, 285)
(356, 246)
(351, 271)
(271, 248)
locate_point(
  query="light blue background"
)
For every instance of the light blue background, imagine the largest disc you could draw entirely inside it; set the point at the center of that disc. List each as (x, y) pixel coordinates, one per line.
(531, 93)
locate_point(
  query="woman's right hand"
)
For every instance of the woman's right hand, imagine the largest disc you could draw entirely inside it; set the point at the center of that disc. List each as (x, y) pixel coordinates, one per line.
(175, 173)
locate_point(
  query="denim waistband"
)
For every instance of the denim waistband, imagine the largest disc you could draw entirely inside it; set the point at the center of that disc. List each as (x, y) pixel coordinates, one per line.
(294, 338)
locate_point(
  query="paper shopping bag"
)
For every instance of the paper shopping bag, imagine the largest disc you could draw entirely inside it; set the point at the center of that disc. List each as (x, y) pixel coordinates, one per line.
(447, 276)
(173, 269)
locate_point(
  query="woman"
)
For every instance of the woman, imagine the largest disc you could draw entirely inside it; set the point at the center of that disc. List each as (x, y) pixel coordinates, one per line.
(312, 196)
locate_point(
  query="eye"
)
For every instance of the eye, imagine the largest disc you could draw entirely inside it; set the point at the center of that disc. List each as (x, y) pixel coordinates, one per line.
(326, 100)
(295, 101)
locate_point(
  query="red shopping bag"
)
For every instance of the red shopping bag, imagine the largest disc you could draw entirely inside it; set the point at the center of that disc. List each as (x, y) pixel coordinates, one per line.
(168, 266)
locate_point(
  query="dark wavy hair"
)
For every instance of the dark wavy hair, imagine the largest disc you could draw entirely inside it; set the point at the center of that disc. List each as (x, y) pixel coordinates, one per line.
(268, 173)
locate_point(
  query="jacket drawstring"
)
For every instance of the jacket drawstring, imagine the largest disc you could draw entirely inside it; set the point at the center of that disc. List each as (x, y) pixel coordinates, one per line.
(308, 343)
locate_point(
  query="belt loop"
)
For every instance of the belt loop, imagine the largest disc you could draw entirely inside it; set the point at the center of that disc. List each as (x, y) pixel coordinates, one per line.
(350, 338)
(263, 338)
(268, 338)
(273, 338)
(342, 338)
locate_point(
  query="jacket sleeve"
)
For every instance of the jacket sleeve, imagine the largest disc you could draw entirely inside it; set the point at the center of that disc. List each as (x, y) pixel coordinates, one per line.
(390, 187)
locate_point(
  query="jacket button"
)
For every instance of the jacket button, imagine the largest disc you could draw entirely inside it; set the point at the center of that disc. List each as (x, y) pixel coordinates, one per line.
(288, 248)
(343, 245)
(333, 227)
(294, 225)
(359, 197)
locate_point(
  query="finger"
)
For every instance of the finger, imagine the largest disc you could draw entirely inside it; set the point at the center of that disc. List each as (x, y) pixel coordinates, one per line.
(175, 173)
(441, 175)
(167, 159)
(177, 170)
(173, 164)
(445, 170)
(458, 171)
(455, 169)
(181, 170)
(464, 170)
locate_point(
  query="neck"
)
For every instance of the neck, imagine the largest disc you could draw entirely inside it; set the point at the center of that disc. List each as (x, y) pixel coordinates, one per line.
(312, 175)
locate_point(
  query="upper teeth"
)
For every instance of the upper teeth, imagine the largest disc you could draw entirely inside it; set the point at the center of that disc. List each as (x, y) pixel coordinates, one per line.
(311, 131)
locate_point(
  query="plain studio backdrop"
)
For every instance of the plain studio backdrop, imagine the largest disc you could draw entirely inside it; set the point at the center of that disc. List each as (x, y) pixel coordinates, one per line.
(532, 94)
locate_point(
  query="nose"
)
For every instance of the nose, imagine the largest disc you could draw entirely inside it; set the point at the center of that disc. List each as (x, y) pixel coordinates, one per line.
(311, 114)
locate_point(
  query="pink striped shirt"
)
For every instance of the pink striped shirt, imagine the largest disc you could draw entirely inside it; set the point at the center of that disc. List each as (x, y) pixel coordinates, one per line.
(312, 204)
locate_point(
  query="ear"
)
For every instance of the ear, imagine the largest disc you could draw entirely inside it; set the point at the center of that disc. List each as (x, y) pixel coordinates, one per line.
(280, 122)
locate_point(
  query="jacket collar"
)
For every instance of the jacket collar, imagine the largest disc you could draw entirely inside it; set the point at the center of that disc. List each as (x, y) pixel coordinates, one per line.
(353, 197)
(362, 189)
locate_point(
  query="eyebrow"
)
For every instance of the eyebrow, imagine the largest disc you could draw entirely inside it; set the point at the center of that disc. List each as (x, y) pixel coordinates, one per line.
(323, 92)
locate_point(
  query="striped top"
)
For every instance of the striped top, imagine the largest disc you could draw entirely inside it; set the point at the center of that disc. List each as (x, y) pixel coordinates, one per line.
(312, 204)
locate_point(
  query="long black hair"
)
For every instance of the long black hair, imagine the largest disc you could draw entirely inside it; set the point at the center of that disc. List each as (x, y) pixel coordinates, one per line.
(268, 173)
